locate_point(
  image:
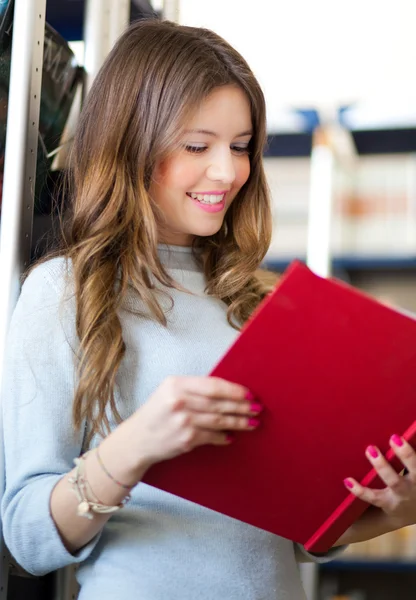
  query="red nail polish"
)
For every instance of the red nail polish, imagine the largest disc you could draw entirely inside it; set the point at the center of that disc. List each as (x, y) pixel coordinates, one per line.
(253, 422)
(372, 451)
(229, 438)
(249, 395)
(397, 440)
(255, 407)
(348, 483)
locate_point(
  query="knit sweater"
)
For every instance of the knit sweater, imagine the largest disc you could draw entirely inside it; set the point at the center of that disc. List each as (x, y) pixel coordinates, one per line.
(159, 547)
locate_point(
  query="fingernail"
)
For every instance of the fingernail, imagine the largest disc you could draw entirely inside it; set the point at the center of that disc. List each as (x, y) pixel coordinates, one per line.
(249, 395)
(255, 407)
(372, 451)
(229, 438)
(348, 483)
(253, 422)
(397, 440)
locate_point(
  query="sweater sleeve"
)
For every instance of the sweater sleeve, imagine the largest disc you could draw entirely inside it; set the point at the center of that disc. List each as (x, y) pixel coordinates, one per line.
(303, 556)
(40, 443)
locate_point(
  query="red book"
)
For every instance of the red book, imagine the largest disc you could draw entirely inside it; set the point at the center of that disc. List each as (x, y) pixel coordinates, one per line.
(336, 372)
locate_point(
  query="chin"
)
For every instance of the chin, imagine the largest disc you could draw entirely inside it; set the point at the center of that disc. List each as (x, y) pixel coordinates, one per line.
(207, 231)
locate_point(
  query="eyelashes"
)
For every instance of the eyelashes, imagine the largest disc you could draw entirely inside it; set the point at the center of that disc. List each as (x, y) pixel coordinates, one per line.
(195, 149)
(239, 150)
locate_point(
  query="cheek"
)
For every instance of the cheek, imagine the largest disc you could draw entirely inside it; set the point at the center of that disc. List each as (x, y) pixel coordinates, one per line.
(176, 172)
(162, 173)
(242, 172)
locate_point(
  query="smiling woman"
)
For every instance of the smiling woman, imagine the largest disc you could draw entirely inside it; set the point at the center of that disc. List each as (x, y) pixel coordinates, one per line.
(112, 340)
(195, 187)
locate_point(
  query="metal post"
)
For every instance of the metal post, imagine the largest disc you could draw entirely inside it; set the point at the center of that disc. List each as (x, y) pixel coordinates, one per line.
(119, 20)
(97, 18)
(19, 173)
(66, 586)
(170, 10)
(104, 21)
(320, 205)
(309, 573)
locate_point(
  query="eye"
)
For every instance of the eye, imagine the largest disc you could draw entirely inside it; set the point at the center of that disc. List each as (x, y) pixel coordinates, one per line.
(195, 149)
(240, 148)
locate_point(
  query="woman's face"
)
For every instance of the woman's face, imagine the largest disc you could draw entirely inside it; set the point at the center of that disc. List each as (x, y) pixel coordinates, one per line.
(196, 185)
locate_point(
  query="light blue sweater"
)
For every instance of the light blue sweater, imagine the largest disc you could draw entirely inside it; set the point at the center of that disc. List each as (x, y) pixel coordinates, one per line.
(158, 547)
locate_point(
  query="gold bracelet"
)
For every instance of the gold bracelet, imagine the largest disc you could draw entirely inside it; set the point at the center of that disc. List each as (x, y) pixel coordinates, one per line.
(87, 507)
(126, 487)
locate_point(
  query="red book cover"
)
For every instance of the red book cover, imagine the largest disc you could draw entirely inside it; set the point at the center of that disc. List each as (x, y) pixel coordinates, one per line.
(335, 371)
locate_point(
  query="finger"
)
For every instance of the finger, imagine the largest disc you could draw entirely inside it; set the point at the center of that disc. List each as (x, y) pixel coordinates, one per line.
(192, 438)
(385, 471)
(224, 406)
(215, 438)
(219, 422)
(405, 453)
(369, 495)
(214, 387)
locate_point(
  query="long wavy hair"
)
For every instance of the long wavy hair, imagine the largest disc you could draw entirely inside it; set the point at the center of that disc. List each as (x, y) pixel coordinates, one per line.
(134, 117)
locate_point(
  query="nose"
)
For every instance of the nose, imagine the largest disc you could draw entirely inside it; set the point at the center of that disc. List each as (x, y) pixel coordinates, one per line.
(222, 168)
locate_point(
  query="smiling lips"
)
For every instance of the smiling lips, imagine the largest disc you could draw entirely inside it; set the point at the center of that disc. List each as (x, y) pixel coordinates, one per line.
(211, 202)
(208, 197)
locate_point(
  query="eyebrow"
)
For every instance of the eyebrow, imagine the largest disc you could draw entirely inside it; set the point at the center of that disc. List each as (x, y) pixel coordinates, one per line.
(213, 134)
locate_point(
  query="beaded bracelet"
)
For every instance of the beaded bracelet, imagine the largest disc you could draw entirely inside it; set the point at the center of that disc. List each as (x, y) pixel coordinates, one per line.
(86, 506)
(126, 487)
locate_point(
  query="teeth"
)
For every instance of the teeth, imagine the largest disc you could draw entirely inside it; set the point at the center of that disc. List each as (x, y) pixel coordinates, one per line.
(208, 198)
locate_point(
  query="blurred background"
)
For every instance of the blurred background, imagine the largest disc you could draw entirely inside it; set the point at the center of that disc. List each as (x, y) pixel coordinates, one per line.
(341, 164)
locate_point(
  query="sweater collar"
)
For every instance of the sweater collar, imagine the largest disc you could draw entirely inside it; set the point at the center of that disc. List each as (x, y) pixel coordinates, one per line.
(179, 257)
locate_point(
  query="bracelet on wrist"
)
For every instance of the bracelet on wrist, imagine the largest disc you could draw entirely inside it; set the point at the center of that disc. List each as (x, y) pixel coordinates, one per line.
(119, 483)
(88, 501)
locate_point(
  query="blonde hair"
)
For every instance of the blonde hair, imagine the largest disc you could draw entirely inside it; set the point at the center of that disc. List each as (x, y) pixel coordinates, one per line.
(134, 117)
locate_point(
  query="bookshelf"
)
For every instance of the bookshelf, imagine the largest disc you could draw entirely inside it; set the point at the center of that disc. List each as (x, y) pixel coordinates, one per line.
(380, 569)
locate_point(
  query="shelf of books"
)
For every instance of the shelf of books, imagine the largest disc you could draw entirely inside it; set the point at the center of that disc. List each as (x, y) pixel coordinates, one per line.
(380, 569)
(373, 221)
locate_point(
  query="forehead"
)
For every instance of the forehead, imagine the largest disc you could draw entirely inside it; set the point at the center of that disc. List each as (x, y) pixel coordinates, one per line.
(226, 108)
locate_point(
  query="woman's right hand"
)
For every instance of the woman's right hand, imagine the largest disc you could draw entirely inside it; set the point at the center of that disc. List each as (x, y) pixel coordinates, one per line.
(186, 412)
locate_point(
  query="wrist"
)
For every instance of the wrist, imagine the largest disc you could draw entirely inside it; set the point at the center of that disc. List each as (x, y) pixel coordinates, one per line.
(399, 522)
(126, 443)
(372, 523)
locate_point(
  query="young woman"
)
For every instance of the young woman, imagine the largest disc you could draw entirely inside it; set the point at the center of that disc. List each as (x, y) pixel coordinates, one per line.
(111, 341)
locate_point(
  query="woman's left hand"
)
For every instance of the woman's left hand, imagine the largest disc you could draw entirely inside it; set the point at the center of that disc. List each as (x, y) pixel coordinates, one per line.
(394, 506)
(398, 498)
